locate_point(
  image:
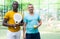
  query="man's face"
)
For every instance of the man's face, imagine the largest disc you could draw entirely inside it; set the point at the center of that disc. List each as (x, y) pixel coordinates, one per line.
(30, 8)
(15, 5)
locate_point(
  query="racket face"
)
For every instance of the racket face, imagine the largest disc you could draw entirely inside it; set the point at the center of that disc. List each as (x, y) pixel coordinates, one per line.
(17, 18)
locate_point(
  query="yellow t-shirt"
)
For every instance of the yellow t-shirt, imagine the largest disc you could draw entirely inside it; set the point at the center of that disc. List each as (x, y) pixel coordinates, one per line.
(9, 15)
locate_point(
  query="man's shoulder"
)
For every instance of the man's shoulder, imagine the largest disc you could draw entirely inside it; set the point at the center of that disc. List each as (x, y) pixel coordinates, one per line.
(26, 14)
(9, 12)
(36, 13)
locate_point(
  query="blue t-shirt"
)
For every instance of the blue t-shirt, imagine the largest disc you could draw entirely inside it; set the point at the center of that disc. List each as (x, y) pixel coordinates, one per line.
(30, 21)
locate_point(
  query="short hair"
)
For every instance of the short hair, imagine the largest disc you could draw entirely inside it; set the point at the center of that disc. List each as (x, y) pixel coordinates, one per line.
(15, 2)
(30, 4)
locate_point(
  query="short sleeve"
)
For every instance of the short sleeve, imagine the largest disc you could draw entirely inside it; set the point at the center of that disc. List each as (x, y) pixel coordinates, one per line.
(39, 17)
(25, 20)
(6, 15)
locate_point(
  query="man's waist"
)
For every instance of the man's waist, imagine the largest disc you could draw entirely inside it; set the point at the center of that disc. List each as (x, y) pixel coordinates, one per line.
(32, 31)
(12, 29)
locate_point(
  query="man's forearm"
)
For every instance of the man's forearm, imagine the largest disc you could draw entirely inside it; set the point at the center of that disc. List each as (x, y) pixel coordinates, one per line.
(24, 29)
(20, 24)
(39, 24)
(6, 24)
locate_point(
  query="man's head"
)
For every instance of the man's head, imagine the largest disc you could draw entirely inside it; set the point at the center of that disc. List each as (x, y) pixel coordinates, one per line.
(15, 5)
(30, 8)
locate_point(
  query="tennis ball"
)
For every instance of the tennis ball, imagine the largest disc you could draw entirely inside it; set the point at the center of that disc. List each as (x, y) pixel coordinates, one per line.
(35, 26)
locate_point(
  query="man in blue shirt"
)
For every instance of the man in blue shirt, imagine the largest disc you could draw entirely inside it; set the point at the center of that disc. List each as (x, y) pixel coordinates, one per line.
(31, 23)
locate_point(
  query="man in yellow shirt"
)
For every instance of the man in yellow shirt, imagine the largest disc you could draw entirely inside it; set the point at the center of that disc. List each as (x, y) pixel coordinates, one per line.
(13, 33)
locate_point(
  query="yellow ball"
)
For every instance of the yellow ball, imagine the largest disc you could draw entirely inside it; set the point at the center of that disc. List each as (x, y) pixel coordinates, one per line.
(35, 26)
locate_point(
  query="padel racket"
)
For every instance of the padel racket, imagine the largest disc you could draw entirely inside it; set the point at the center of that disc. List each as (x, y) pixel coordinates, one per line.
(17, 18)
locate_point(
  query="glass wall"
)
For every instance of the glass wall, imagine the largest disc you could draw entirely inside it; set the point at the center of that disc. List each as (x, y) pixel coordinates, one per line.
(47, 8)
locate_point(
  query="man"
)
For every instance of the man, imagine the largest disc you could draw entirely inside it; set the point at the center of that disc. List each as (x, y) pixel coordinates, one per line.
(32, 22)
(13, 33)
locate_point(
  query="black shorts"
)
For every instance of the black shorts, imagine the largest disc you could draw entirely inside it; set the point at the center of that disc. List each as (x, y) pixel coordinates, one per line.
(33, 36)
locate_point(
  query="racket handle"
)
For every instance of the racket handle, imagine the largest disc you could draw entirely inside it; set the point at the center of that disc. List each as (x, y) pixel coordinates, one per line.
(16, 22)
(15, 27)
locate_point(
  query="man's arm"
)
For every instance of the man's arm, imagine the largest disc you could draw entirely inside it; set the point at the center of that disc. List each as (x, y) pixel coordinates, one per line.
(24, 30)
(5, 23)
(21, 23)
(39, 23)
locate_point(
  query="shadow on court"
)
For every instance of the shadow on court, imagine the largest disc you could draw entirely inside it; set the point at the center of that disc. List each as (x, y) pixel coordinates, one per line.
(44, 34)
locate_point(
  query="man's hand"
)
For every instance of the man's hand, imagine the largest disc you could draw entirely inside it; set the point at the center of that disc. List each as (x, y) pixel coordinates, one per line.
(13, 25)
(24, 36)
(35, 26)
(10, 25)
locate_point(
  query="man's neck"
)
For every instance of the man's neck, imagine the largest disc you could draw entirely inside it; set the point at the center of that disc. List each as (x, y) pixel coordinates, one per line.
(31, 13)
(15, 10)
